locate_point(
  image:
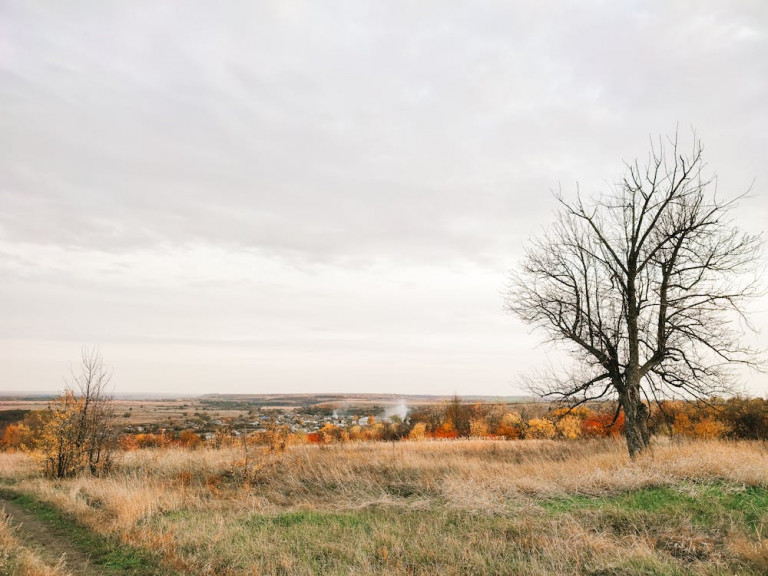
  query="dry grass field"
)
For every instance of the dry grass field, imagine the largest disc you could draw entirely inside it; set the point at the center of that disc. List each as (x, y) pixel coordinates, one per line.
(458, 507)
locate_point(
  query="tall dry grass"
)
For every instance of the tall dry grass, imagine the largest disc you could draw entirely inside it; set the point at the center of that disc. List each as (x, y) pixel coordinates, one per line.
(18, 560)
(15, 466)
(450, 504)
(474, 475)
(491, 473)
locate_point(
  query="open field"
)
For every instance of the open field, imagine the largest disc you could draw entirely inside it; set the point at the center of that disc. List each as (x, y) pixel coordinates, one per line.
(459, 507)
(138, 412)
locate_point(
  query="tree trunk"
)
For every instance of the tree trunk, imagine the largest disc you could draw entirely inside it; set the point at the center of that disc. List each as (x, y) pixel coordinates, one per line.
(643, 415)
(635, 422)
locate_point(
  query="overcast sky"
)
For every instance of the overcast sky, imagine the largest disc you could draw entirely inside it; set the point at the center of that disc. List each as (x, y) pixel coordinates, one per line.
(328, 196)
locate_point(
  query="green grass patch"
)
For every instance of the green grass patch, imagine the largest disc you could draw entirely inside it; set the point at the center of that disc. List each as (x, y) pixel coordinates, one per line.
(326, 520)
(701, 502)
(688, 521)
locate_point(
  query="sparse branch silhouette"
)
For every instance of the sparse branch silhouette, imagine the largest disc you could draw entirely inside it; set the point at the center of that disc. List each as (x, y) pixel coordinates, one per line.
(646, 285)
(80, 432)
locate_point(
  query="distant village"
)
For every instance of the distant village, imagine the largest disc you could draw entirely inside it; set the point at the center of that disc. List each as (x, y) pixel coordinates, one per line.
(297, 420)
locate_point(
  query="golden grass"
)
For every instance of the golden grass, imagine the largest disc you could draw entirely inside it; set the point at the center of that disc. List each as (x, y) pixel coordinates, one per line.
(15, 466)
(16, 559)
(415, 507)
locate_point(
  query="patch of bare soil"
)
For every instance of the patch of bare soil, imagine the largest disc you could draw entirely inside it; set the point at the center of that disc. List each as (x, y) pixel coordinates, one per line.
(49, 542)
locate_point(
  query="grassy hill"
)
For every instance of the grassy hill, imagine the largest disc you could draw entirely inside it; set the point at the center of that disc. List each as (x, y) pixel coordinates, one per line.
(459, 507)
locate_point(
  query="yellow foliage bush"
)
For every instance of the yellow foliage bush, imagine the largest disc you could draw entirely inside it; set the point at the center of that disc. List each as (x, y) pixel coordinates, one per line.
(375, 431)
(540, 428)
(329, 434)
(569, 427)
(16, 437)
(478, 428)
(356, 433)
(580, 412)
(418, 432)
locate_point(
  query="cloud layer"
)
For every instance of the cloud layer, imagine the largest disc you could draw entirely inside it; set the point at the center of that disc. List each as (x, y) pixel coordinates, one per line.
(299, 195)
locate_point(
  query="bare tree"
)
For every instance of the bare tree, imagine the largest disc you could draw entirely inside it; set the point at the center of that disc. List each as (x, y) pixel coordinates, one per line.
(96, 422)
(646, 285)
(80, 430)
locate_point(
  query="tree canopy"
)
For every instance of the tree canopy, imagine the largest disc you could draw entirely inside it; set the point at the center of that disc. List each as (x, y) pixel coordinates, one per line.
(646, 284)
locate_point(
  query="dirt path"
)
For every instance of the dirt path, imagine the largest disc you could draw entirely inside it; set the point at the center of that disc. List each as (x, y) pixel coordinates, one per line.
(50, 542)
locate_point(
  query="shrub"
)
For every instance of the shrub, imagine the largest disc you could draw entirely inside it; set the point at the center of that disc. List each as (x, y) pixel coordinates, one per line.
(569, 427)
(540, 428)
(356, 433)
(459, 416)
(603, 425)
(478, 428)
(418, 432)
(511, 426)
(708, 428)
(746, 418)
(16, 437)
(682, 425)
(329, 434)
(79, 429)
(189, 439)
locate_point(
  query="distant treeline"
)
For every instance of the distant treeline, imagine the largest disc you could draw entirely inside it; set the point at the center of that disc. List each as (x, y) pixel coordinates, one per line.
(733, 418)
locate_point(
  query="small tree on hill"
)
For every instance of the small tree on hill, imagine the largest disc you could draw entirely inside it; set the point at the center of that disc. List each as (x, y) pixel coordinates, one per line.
(643, 284)
(80, 425)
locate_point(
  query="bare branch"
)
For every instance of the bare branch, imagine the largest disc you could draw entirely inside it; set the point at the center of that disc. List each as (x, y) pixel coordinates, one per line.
(647, 285)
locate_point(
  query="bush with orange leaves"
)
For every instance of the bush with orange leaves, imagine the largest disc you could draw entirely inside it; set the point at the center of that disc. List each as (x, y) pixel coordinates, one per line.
(447, 427)
(693, 419)
(682, 425)
(151, 440)
(127, 443)
(511, 426)
(603, 425)
(355, 433)
(330, 434)
(313, 438)
(708, 428)
(189, 439)
(444, 433)
(17, 436)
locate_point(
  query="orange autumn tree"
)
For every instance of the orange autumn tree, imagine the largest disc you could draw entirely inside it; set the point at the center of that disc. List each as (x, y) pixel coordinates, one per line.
(16, 436)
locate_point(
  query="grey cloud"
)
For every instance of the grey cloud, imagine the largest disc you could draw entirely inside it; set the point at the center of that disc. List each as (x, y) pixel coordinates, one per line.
(335, 130)
(315, 141)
